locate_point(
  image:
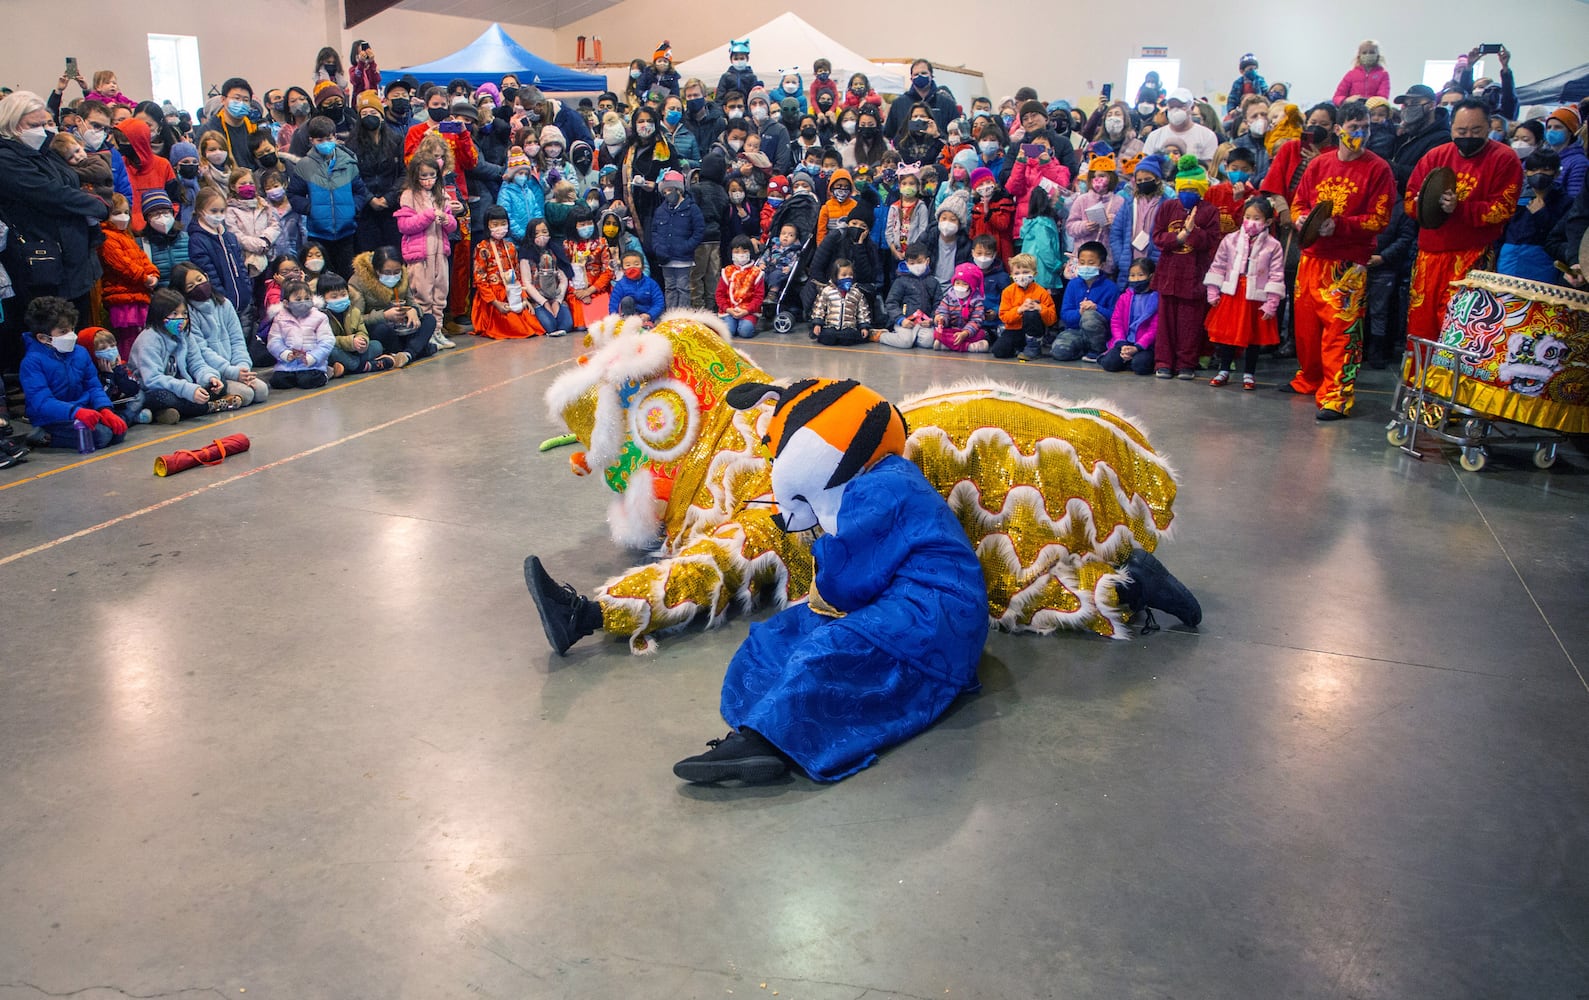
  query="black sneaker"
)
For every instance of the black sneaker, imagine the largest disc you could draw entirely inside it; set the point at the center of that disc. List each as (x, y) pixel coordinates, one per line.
(1325, 415)
(12, 453)
(566, 615)
(1153, 587)
(740, 756)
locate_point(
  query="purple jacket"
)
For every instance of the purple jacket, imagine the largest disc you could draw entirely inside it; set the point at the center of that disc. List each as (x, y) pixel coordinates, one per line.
(1120, 322)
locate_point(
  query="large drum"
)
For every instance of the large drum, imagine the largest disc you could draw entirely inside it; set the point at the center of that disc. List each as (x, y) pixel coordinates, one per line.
(1532, 342)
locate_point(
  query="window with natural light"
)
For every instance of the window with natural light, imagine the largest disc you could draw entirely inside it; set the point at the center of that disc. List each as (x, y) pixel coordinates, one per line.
(174, 70)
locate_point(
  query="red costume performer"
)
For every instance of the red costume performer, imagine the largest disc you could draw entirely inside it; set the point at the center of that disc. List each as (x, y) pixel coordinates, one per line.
(1332, 276)
(1488, 184)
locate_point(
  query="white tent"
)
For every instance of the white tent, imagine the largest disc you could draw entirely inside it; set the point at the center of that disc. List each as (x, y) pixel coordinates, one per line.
(788, 43)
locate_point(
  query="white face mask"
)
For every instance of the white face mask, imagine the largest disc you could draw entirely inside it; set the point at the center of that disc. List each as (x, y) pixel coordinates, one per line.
(917, 269)
(214, 221)
(1176, 116)
(499, 232)
(315, 266)
(1258, 126)
(981, 261)
(961, 289)
(93, 138)
(948, 228)
(741, 258)
(35, 137)
(66, 343)
(759, 112)
(120, 220)
(849, 127)
(1022, 280)
(163, 222)
(1114, 126)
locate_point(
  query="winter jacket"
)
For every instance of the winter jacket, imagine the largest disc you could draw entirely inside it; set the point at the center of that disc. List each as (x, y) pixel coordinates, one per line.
(126, 269)
(909, 295)
(1242, 86)
(1409, 151)
(234, 136)
(1261, 261)
(741, 287)
(647, 295)
(419, 223)
(310, 335)
(380, 160)
(56, 385)
(1028, 174)
(220, 257)
(676, 230)
(1079, 229)
(741, 79)
(935, 248)
(1040, 238)
(1574, 168)
(1523, 251)
(216, 326)
(842, 310)
(995, 217)
(370, 296)
(1364, 83)
(842, 246)
(1135, 320)
(165, 251)
(290, 239)
(939, 104)
(896, 235)
(347, 325)
(152, 173)
(994, 281)
(1101, 292)
(1397, 243)
(711, 196)
(1183, 265)
(775, 145)
(1123, 232)
(255, 225)
(174, 363)
(363, 75)
(684, 144)
(329, 194)
(1015, 296)
(707, 127)
(465, 154)
(41, 200)
(667, 80)
(954, 314)
(523, 202)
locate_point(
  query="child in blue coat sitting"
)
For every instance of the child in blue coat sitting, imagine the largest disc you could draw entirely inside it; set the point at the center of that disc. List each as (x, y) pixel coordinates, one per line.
(60, 382)
(1087, 309)
(635, 293)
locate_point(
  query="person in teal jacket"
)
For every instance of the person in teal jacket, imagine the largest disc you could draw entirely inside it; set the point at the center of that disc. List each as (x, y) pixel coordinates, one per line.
(1040, 237)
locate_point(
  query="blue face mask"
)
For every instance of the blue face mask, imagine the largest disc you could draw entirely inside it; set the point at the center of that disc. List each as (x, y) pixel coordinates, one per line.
(338, 305)
(238, 109)
(108, 355)
(1086, 272)
(673, 117)
(390, 280)
(1238, 176)
(1556, 136)
(844, 283)
(1189, 198)
(175, 325)
(326, 149)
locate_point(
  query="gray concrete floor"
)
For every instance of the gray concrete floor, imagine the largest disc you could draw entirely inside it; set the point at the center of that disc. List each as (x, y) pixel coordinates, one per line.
(297, 733)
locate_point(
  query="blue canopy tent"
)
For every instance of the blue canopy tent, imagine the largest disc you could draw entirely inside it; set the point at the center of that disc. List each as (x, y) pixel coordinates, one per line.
(494, 54)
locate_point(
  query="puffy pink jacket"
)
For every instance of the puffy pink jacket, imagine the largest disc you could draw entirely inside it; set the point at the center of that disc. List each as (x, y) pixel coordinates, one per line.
(415, 222)
(1120, 322)
(1026, 175)
(1261, 261)
(1365, 83)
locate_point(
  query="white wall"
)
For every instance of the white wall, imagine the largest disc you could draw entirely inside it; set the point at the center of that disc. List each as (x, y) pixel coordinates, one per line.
(273, 46)
(1058, 48)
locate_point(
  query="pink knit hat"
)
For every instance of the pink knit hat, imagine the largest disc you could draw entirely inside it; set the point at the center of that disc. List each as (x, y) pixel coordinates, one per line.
(516, 161)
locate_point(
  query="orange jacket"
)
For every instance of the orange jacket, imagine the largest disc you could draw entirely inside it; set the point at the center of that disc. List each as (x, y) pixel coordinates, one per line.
(126, 269)
(1015, 296)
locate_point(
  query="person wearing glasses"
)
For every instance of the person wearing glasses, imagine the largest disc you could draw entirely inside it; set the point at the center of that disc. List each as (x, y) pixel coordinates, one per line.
(1489, 179)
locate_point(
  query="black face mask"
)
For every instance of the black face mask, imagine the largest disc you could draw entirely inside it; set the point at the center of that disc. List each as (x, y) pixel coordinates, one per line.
(508, 94)
(695, 105)
(437, 114)
(859, 234)
(1147, 187)
(870, 131)
(808, 132)
(1316, 135)
(1141, 286)
(917, 125)
(268, 160)
(401, 108)
(370, 122)
(188, 171)
(1470, 145)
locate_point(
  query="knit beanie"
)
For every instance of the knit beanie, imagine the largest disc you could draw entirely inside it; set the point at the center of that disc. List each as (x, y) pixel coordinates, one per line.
(551, 134)
(971, 275)
(85, 337)
(1030, 108)
(488, 90)
(671, 180)
(979, 175)
(958, 202)
(861, 213)
(757, 94)
(516, 161)
(1190, 175)
(1150, 165)
(154, 200)
(325, 90)
(803, 175)
(664, 51)
(1377, 102)
(1567, 116)
(183, 151)
(369, 100)
(778, 187)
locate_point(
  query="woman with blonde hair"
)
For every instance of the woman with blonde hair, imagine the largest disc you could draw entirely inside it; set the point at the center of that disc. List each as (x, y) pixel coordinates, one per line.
(215, 162)
(1367, 77)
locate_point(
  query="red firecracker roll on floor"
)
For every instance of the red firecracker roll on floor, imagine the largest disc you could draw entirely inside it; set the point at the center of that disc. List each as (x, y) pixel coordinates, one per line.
(212, 454)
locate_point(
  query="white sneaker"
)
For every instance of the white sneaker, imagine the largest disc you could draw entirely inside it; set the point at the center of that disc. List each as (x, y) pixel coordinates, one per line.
(441, 342)
(558, 333)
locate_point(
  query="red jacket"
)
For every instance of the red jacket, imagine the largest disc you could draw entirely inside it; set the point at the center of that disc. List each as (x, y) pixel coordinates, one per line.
(742, 287)
(1183, 265)
(1487, 190)
(995, 218)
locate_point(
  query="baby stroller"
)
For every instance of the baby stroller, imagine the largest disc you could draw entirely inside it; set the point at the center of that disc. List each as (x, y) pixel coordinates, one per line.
(784, 309)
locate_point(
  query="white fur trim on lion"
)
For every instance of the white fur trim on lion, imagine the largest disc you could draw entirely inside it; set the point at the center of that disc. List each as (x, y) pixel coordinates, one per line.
(634, 518)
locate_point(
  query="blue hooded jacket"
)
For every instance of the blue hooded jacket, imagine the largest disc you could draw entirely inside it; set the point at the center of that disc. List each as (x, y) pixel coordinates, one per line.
(57, 385)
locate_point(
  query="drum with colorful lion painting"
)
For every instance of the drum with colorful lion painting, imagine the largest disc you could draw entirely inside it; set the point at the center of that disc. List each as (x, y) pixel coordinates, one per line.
(1532, 340)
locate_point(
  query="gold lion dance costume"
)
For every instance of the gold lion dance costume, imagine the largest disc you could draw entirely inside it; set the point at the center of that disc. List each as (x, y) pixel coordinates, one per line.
(1062, 503)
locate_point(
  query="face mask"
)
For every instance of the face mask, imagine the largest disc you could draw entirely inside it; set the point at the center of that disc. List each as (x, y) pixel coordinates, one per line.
(300, 108)
(163, 222)
(1351, 141)
(175, 325)
(1140, 285)
(735, 113)
(237, 109)
(791, 87)
(1316, 134)
(736, 196)
(66, 343)
(808, 132)
(633, 273)
(93, 138)
(1189, 199)
(188, 170)
(108, 355)
(1238, 176)
(988, 147)
(1176, 116)
(390, 280)
(214, 221)
(1496, 135)
(326, 149)
(247, 192)
(217, 157)
(1258, 126)
(338, 305)
(1540, 182)
(1415, 116)
(586, 230)
(314, 265)
(841, 195)
(918, 125)
(741, 257)
(695, 105)
(1100, 184)
(499, 232)
(201, 292)
(1524, 149)
(917, 269)
(981, 261)
(1556, 136)
(401, 108)
(960, 289)
(674, 116)
(1148, 188)
(370, 122)
(1086, 272)
(542, 240)
(300, 307)
(1252, 227)
(1114, 126)
(634, 74)
(921, 81)
(848, 127)
(1470, 145)
(907, 192)
(644, 130)
(436, 114)
(948, 228)
(985, 191)
(743, 62)
(759, 112)
(1367, 59)
(844, 284)
(120, 220)
(1022, 280)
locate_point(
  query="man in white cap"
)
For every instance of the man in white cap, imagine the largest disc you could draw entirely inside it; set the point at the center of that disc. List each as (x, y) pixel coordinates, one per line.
(1183, 130)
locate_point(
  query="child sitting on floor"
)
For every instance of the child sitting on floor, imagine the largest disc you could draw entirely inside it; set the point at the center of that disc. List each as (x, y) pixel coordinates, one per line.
(957, 323)
(1026, 309)
(740, 290)
(115, 375)
(1088, 307)
(636, 294)
(300, 340)
(841, 314)
(1134, 324)
(59, 382)
(912, 298)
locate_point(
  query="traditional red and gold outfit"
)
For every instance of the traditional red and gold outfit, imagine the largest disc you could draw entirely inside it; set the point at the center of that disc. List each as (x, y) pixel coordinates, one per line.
(1332, 276)
(496, 272)
(590, 262)
(1487, 188)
